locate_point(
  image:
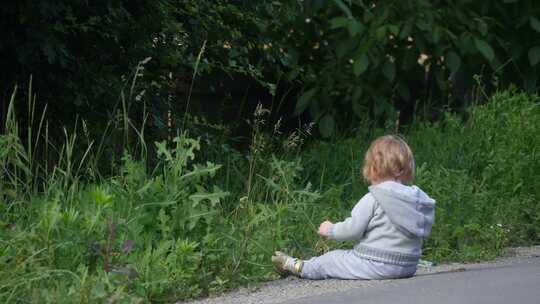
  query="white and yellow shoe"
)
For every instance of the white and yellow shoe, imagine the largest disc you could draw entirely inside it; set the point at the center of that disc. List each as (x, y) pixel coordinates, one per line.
(286, 264)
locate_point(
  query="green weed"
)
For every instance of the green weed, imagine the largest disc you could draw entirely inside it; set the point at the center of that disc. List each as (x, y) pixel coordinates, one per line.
(187, 227)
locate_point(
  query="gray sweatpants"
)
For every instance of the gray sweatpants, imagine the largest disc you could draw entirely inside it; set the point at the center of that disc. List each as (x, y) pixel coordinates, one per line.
(345, 264)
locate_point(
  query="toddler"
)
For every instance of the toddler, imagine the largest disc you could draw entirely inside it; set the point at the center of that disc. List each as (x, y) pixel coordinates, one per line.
(388, 224)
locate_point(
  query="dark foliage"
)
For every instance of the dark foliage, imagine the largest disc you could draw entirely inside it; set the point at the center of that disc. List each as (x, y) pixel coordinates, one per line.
(340, 61)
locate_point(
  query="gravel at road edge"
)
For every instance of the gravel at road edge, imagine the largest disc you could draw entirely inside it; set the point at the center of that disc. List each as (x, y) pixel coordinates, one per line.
(293, 288)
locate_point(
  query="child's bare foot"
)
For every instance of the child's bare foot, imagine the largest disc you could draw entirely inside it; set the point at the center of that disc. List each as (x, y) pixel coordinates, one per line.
(285, 264)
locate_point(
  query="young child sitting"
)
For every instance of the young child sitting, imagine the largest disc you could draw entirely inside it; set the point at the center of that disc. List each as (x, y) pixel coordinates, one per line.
(388, 224)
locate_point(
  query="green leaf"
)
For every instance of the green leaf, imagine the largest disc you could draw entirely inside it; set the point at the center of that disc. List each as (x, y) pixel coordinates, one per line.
(485, 49)
(356, 28)
(304, 100)
(406, 30)
(339, 22)
(327, 125)
(534, 55)
(213, 197)
(163, 151)
(389, 70)
(380, 33)
(453, 62)
(361, 65)
(344, 8)
(423, 25)
(535, 24)
(436, 35)
(394, 29)
(482, 27)
(101, 197)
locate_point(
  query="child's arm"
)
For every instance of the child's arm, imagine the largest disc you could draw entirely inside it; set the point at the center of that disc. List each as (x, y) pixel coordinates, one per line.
(353, 227)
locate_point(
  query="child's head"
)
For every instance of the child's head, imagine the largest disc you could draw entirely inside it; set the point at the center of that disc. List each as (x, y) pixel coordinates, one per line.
(389, 158)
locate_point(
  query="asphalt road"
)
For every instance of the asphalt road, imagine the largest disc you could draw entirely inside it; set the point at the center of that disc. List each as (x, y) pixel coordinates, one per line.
(516, 282)
(513, 278)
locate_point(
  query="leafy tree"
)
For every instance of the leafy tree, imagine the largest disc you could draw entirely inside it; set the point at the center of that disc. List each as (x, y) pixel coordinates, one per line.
(80, 53)
(349, 60)
(373, 57)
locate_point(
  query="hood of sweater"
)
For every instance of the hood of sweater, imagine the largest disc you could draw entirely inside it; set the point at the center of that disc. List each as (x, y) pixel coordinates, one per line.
(409, 208)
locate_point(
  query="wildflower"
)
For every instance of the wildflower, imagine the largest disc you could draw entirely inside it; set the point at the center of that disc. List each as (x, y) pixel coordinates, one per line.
(422, 59)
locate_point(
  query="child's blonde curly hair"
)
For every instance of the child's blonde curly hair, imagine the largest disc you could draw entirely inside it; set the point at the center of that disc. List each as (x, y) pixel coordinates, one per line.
(389, 158)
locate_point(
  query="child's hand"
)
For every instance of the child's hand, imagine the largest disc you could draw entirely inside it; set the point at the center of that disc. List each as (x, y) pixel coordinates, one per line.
(324, 228)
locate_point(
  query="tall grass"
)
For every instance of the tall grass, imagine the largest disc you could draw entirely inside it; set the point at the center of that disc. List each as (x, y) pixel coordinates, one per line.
(191, 225)
(482, 168)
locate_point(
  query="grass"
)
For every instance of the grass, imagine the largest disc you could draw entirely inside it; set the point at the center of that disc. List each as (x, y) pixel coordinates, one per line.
(205, 218)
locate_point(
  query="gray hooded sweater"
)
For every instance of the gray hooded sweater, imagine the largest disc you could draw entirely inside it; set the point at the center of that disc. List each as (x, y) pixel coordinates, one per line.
(389, 223)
